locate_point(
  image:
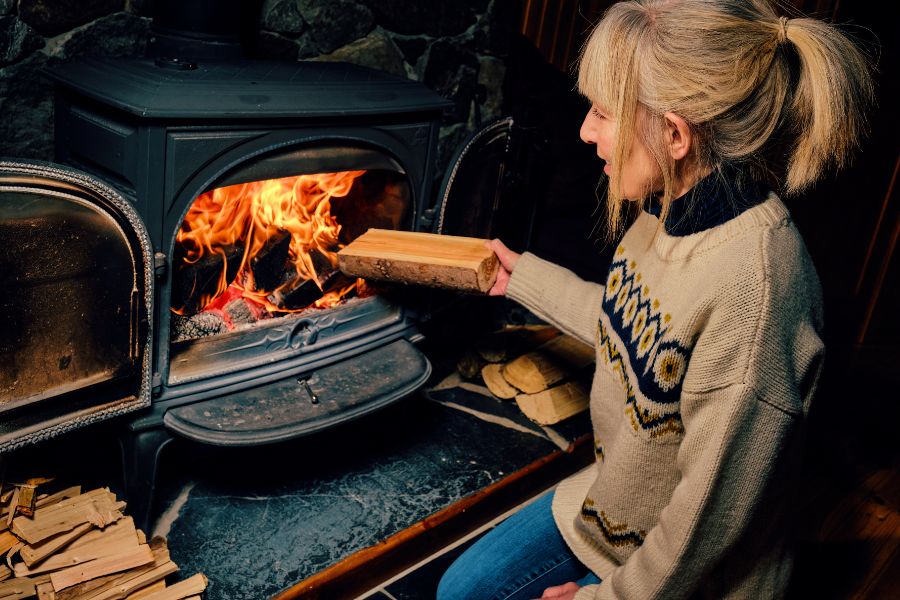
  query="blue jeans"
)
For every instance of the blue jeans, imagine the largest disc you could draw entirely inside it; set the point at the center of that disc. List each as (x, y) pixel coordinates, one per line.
(517, 560)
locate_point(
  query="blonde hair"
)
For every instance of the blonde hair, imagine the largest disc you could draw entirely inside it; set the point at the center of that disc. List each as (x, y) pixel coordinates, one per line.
(784, 97)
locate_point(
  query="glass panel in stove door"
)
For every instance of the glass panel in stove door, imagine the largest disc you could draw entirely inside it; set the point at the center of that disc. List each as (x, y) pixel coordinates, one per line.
(74, 334)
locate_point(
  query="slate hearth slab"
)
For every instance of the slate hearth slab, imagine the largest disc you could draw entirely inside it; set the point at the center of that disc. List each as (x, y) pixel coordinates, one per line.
(257, 520)
(489, 407)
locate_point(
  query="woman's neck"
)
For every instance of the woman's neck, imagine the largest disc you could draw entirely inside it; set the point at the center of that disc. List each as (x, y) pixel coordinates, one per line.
(684, 184)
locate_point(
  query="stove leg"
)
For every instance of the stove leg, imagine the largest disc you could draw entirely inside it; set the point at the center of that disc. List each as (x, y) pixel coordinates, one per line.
(140, 455)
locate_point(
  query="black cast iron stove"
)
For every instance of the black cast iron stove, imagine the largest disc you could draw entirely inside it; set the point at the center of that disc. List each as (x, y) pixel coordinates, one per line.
(167, 134)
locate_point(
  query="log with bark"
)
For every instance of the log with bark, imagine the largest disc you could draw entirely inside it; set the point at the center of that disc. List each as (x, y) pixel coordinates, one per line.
(560, 358)
(442, 261)
(550, 382)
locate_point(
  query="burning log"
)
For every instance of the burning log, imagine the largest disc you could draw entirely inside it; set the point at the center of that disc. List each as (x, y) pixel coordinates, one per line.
(197, 283)
(304, 292)
(432, 260)
(268, 266)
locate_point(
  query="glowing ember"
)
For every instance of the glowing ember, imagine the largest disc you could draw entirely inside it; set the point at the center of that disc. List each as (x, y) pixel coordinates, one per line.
(282, 222)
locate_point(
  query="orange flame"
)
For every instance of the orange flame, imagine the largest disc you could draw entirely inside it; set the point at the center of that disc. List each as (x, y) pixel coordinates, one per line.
(247, 215)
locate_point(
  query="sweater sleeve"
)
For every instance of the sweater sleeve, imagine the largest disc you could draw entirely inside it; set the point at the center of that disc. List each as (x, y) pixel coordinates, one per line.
(557, 296)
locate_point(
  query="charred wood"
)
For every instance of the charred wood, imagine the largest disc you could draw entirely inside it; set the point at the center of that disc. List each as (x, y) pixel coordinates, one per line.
(199, 325)
(270, 262)
(193, 281)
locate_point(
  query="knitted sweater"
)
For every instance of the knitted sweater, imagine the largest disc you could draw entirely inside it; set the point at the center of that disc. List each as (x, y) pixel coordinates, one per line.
(708, 352)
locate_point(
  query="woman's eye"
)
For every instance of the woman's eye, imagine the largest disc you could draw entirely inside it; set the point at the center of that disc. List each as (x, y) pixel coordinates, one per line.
(597, 113)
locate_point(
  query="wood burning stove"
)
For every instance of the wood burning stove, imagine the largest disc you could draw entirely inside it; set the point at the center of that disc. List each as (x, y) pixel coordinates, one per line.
(218, 192)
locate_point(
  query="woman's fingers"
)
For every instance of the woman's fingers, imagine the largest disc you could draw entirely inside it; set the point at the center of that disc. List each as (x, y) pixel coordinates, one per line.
(508, 260)
(507, 257)
(499, 287)
(565, 591)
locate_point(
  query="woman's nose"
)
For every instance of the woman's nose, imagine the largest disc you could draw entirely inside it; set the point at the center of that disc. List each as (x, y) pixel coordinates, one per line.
(587, 131)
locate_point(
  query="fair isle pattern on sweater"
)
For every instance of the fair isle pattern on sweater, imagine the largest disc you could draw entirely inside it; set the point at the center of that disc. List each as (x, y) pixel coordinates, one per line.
(616, 534)
(659, 363)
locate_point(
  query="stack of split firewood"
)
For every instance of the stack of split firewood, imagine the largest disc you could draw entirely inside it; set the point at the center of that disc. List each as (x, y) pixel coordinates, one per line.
(546, 372)
(70, 544)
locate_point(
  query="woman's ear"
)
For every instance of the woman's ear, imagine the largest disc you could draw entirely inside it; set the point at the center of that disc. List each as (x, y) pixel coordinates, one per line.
(678, 136)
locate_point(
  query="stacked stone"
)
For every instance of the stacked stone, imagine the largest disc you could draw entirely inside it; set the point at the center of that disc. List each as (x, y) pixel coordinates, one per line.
(456, 48)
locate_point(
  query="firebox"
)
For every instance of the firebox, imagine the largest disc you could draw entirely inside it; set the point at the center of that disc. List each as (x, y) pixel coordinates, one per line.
(188, 250)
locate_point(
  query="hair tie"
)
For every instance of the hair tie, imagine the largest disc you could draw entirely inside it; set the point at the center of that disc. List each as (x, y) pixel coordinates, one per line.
(782, 29)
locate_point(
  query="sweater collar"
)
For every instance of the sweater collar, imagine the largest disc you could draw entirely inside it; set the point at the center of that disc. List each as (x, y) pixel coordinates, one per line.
(717, 198)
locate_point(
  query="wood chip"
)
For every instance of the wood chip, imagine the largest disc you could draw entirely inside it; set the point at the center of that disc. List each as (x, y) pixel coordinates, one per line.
(7, 541)
(12, 589)
(102, 566)
(26, 501)
(45, 591)
(146, 591)
(97, 543)
(35, 553)
(69, 492)
(191, 586)
(11, 511)
(98, 507)
(118, 587)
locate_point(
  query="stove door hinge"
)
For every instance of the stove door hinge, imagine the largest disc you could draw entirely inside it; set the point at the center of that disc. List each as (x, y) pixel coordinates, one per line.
(426, 221)
(160, 264)
(156, 384)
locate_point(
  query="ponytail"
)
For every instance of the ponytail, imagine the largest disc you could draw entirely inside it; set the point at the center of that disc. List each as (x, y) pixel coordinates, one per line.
(833, 91)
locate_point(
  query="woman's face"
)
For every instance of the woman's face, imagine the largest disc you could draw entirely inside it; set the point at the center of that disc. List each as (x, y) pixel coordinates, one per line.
(640, 174)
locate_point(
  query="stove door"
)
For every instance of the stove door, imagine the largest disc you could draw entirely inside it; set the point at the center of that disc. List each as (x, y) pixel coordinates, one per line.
(76, 276)
(487, 191)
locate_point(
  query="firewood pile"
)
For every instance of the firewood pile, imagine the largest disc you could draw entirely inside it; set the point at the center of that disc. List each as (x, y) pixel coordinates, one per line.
(71, 545)
(546, 372)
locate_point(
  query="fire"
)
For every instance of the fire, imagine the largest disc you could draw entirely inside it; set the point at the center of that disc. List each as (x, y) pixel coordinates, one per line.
(243, 220)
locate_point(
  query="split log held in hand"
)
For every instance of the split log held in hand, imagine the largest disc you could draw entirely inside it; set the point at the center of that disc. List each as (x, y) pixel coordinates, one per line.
(443, 261)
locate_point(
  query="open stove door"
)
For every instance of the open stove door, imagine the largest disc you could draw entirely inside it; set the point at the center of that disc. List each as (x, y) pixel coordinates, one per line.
(76, 276)
(487, 191)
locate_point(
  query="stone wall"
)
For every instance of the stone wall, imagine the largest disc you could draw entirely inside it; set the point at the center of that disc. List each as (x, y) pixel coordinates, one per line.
(457, 48)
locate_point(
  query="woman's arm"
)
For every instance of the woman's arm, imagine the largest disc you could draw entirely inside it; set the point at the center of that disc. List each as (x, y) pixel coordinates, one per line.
(551, 292)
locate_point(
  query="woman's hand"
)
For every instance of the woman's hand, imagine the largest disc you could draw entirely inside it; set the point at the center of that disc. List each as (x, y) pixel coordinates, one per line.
(508, 260)
(565, 591)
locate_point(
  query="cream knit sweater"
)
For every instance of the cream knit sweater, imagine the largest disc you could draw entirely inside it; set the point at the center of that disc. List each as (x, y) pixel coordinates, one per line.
(708, 352)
